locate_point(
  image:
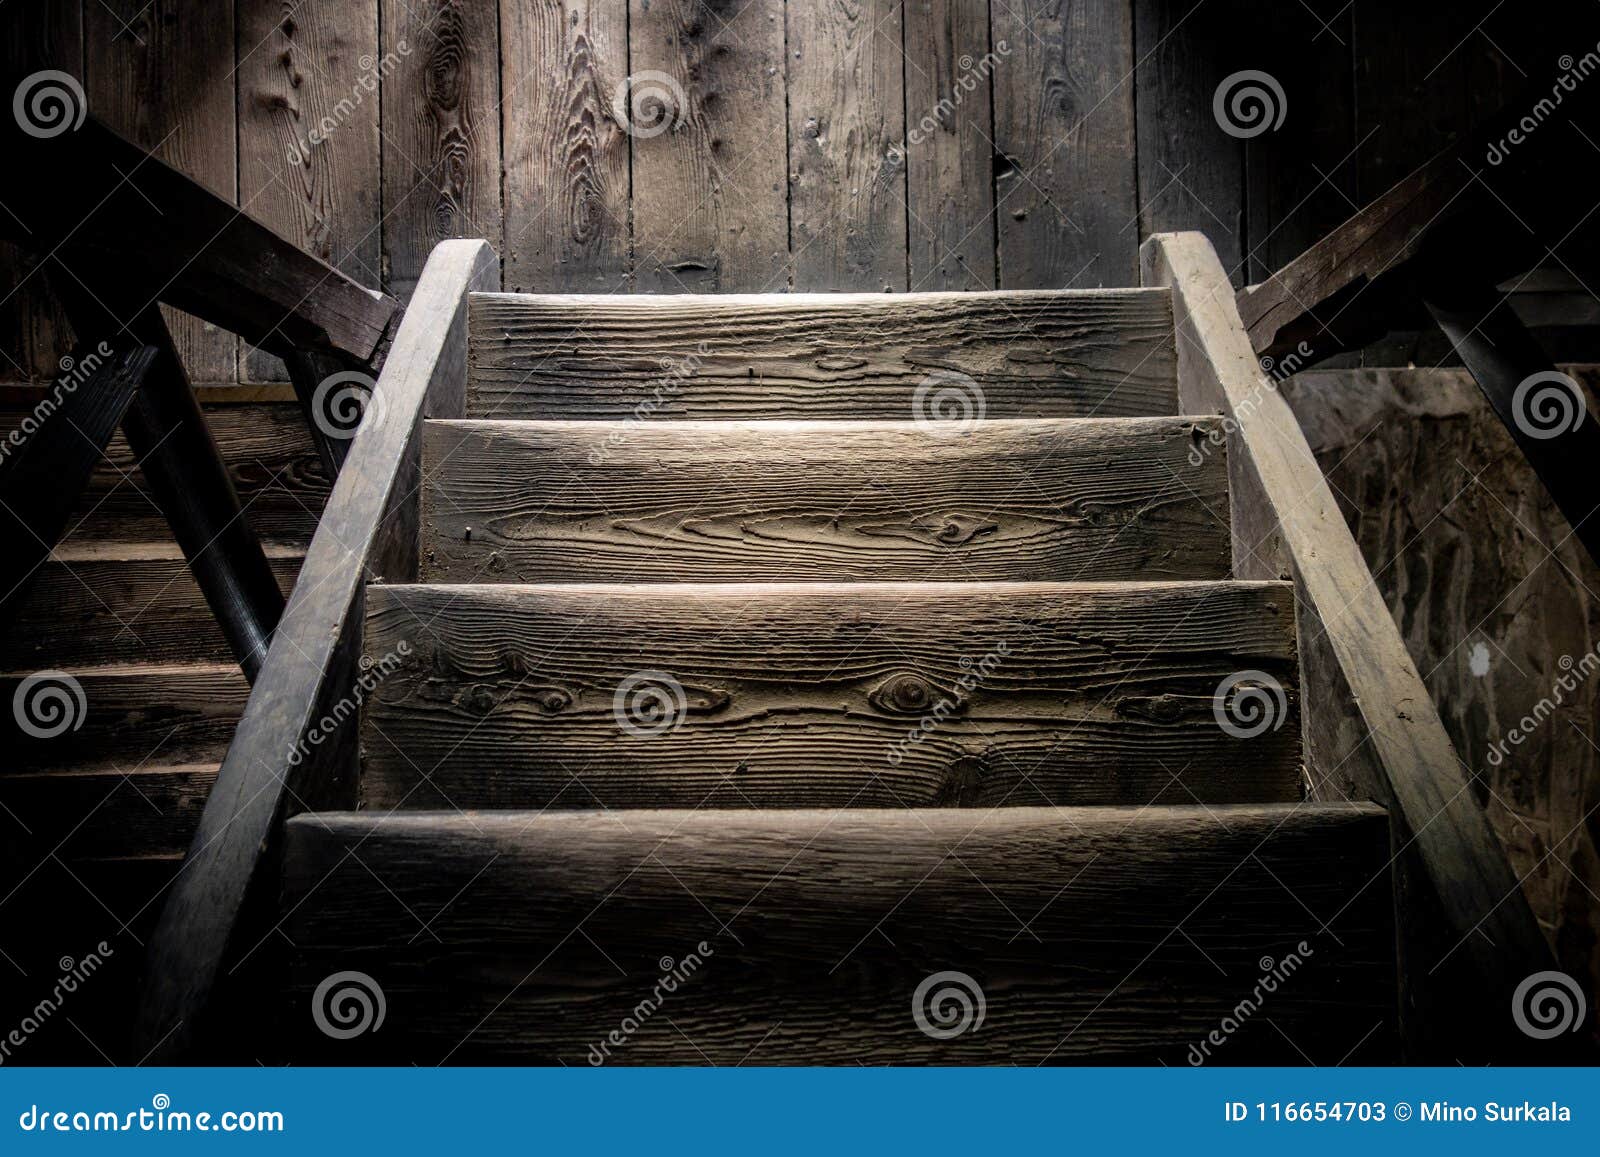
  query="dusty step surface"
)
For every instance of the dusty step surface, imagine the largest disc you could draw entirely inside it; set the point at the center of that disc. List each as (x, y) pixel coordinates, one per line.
(1088, 935)
(96, 603)
(146, 810)
(831, 355)
(830, 694)
(1036, 499)
(120, 717)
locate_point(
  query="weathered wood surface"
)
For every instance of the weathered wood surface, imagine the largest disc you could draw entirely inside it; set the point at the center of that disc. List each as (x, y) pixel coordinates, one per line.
(1064, 148)
(369, 530)
(147, 810)
(441, 125)
(948, 152)
(823, 501)
(308, 95)
(805, 694)
(1087, 354)
(566, 154)
(846, 100)
(96, 603)
(127, 716)
(43, 476)
(1094, 936)
(709, 175)
(1286, 523)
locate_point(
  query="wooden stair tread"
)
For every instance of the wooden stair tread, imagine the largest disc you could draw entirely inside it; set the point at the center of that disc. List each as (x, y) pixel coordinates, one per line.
(88, 812)
(1031, 354)
(543, 501)
(797, 694)
(1095, 934)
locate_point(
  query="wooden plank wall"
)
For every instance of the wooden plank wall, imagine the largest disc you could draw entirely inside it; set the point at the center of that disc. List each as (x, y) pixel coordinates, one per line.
(763, 145)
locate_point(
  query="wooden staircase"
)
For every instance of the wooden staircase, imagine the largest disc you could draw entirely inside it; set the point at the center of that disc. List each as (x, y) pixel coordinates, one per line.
(880, 655)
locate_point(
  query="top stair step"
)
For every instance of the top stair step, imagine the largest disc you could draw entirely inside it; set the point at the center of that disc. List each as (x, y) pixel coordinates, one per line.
(1017, 354)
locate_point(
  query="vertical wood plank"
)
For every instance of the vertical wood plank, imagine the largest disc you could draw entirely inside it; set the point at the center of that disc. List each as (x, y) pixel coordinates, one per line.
(1064, 135)
(162, 73)
(948, 152)
(566, 177)
(710, 198)
(34, 35)
(441, 131)
(308, 83)
(846, 114)
(1191, 171)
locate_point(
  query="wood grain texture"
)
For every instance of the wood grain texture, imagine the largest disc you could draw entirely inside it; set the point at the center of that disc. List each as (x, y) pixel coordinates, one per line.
(129, 716)
(97, 603)
(441, 128)
(161, 73)
(566, 155)
(806, 694)
(1084, 354)
(144, 811)
(802, 936)
(847, 200)
(823, 501)
(308, 83)
(1066, 200)
(948, 154)
(710, 194)
(1286, 522)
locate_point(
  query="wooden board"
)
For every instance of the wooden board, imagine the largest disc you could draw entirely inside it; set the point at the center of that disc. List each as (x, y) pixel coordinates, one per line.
(710, 187)
(847, 201)
(948, 153)
(144, 811)
(823, 501)
(441, 129)
(1090, 936)
(807, 694)
(161, 73)
(1067, 211)
(566, 156)
(1095, 353)
(308, 85)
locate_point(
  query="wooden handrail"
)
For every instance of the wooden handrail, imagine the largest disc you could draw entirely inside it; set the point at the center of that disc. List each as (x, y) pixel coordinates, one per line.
(1366, 707)
(281, 761)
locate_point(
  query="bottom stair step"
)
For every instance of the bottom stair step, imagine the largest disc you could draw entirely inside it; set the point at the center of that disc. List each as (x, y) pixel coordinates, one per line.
(1082, 935)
